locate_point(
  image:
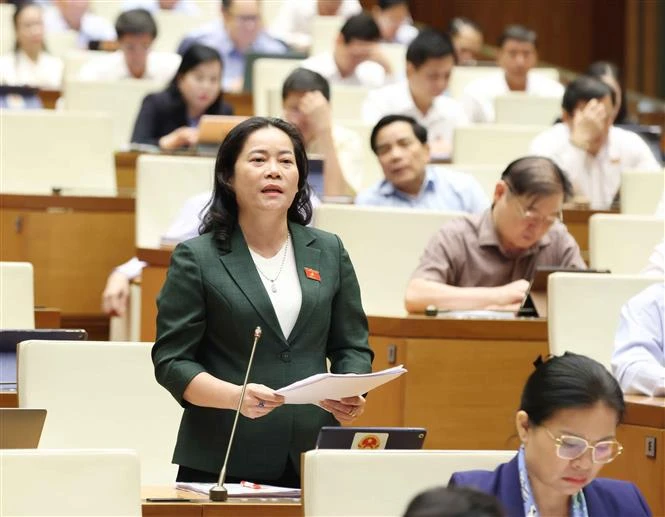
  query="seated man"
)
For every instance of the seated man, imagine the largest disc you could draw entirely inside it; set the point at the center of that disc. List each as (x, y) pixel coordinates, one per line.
(239, 32)
(467, 37)
(136, 31)
(429, 62)
(400, 144)
(638, 362)
(74, 15)
(293, 24)
(517, 56)
(586, 145)
(187, 7)
(394, 21)
(357, 58)
(485, 261)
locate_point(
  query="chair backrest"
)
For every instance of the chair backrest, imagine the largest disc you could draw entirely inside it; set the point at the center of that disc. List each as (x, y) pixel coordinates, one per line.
(72, 482)
(463, 75)
(641, 191)
(324, 32)
(381, 482)
(121, 100)
(396, 54)
(485, 174)
(267, 74)
(347, 101)
(75, 59)
(623, 243)
(44, 149)
(269, 10)
(17, 299)
(384, 245)
(101, 394)
(493, 143)
(521, 108)
(172, 27)
(163, 184)
(108, 10)
(61, 42)
(372, 171)
(7, 36)
(583, 311)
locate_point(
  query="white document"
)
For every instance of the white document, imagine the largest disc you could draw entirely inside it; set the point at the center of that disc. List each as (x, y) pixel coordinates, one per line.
(238, 490)
(336, 386)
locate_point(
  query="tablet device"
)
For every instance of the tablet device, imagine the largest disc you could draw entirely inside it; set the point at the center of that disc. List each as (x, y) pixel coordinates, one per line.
(368, 438)
(21, 428)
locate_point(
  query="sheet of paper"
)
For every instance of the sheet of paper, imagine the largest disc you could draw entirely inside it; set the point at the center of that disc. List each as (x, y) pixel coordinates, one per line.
(336, 386)
(237, 490)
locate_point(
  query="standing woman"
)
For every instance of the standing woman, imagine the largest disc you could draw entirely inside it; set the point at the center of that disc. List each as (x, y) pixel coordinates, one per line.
(257, 264)
(571, 406)
(170, 118)
(29, 64)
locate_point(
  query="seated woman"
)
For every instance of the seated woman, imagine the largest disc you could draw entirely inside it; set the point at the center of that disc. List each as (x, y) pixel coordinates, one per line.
(170, 118)
(29, 64)
(567, 423)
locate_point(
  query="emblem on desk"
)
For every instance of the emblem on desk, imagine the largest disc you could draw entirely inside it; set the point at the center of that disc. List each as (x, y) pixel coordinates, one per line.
(369, 441)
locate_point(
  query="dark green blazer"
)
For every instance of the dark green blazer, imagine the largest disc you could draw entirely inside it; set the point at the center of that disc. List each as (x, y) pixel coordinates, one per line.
(207, 311)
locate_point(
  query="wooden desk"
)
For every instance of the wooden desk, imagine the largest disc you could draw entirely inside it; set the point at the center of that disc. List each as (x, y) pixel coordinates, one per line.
(205, 508)
(152, 279)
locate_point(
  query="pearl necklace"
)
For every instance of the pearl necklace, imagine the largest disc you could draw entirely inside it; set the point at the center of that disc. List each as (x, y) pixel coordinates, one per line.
(273, 286)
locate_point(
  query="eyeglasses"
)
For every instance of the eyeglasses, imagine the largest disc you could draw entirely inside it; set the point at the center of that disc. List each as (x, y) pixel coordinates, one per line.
(572, 447)
(531, 216)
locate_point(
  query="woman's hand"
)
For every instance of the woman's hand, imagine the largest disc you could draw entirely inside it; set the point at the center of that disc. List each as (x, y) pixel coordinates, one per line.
(259, 400)
(181, 137)
(345, 410)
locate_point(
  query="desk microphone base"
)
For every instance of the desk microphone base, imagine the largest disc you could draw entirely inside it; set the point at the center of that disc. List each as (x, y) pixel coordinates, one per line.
(218, 494)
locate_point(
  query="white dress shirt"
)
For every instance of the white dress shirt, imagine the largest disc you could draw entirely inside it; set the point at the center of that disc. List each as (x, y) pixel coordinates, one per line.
(595, 177)
(93, 27)
(367, 73)
(111, 66)
(443, 117)
(17, 69)
(656, 265)
(478, 97)
(188, 7)
(638, 362)
(293, 24)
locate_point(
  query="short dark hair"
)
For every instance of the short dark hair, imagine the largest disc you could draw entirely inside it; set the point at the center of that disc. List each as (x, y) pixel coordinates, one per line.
(222, 216)
(387, 4)
(304, 80)
(454, 501)
(569, 381)
(518, 33)
(457, 23)
(583, 89)
(360, 27)
(418, 130)
(429, 44)
(537, 176)
(135, 21)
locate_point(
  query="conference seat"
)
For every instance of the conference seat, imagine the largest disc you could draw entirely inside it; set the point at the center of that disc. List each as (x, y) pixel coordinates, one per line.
(101, 394)
(73, 482)
(76, 59)
(485, 174)
(372, 171)
(61, 42)
(623, 243)
(381, 482)
(267, 74)
(44, 150)
(463, 75)
(396, 54)
(583, 311)
(385, 245)
(7, 39)
(17, 299)
(493, 143)
(346, 101)
(324, 33)
(172, 27)
(641, 191)
(522, 108)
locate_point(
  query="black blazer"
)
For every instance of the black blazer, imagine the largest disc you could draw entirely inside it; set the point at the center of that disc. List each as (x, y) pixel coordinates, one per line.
(164, 112)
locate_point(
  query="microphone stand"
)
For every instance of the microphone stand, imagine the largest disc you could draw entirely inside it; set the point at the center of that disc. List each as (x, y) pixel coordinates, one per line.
(218, 493)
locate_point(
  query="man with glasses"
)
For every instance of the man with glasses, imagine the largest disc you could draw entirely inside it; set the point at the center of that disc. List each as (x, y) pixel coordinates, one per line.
(486, 261)
(240, 31)
(137, 31)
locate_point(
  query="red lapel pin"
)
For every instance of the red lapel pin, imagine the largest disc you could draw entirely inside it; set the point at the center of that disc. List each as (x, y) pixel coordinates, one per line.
(312, 274)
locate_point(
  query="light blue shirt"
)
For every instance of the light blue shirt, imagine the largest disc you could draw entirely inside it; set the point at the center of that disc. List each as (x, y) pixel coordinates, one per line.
(638, 362)
(442, 189)
(214, 35)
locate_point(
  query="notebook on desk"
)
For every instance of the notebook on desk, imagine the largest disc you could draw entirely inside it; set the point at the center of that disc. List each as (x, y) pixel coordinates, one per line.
(367, 438)
(21, 428)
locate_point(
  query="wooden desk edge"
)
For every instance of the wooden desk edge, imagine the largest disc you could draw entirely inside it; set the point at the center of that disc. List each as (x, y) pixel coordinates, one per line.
(645, 411)
(87, 203)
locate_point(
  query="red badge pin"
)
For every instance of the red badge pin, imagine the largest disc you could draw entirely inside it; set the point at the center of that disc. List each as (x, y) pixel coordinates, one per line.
(312, 274)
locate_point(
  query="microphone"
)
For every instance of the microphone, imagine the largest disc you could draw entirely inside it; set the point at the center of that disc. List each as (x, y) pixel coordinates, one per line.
(218, 493)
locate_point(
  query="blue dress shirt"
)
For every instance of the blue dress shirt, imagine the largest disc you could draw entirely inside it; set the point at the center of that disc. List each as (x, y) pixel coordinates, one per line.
(442, 189)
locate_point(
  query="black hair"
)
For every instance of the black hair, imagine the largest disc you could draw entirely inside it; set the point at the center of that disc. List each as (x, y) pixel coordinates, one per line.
(429, 44)
(454, 501)
(226, 4)
(600, 69)
(135, 21)
(582, 89)
(387, 4)
(569, 381)
(222, 216)
(518, 33)
(457, 23)
(304, 80)
(20, 7)
(360, 27)
(537, 176)
(193, 57)
(418, 130)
